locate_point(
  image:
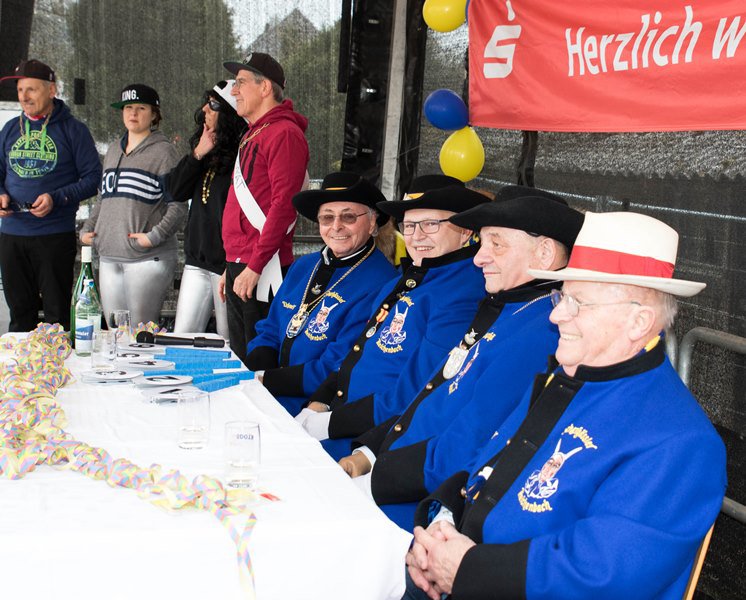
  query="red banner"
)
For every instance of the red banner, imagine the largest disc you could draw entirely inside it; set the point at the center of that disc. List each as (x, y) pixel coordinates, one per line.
(629, 65)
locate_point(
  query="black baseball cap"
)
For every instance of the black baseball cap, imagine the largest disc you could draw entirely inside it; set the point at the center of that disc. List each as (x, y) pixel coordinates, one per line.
(137, 93)
(260, 63)
(35, 69)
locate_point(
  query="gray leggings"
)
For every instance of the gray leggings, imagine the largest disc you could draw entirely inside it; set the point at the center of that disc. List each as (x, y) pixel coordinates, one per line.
(140, 287)
(198, 295)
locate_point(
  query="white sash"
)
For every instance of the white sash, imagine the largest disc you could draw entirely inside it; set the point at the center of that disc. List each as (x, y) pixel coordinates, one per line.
(271, 276)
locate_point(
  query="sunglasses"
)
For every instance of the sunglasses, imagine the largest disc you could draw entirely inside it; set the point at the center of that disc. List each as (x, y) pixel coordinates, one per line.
(347, 218)
(214, 104)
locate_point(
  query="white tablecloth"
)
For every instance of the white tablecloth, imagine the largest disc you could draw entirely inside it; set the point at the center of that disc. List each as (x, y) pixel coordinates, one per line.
(64, 535)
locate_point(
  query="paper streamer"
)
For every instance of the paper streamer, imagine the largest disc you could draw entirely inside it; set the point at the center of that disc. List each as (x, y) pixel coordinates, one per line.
(32, 433)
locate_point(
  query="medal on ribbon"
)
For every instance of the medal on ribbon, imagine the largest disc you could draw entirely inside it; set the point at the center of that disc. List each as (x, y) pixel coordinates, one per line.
(380, 318)
(456, 358)
(297, 322)
(458, 354)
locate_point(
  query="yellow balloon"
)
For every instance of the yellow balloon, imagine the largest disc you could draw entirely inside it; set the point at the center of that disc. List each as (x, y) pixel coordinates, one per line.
(444, 15)
(462, 155)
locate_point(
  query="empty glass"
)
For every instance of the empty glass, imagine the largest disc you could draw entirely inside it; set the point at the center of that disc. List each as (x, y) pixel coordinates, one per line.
(194, 419)
(104, 351)
(120, 322)
(242, 454)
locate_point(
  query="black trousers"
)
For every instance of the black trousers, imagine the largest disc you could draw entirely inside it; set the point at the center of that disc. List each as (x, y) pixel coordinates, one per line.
(242, 316)
(34, 265)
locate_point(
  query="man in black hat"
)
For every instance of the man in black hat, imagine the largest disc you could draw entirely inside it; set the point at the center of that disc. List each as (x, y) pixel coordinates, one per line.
(48, 164)
(484, 376)
(259, 217)
(413, 321)
(326, 296)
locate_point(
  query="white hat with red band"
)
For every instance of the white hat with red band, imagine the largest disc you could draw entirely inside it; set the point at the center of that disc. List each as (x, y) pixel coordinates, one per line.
(625, 247)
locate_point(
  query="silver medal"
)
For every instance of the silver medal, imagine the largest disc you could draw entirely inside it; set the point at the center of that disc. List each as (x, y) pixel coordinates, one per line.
(296, 324)
(371, 332)
(456, 358)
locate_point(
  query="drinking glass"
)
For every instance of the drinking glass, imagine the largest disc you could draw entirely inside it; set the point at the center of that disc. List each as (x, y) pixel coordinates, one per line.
(104, 351)
(120, 321)
(194, 419)
(242, 454)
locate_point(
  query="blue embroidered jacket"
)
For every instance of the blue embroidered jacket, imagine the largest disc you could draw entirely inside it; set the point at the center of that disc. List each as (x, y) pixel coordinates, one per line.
(613, 504)
(296, 366)
(413, 323)
(443, 429)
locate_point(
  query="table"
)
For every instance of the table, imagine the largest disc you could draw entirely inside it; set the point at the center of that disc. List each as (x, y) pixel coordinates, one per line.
(67, 536)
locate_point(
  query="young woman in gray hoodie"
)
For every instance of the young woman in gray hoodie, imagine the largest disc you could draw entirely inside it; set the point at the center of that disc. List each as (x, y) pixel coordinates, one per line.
(134, 223)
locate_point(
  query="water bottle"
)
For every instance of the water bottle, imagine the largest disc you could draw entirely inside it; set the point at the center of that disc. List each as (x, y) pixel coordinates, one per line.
(87, 319)
(86, 275)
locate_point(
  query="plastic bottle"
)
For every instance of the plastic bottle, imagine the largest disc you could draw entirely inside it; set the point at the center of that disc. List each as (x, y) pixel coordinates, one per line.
(87, 319)
(86, 275)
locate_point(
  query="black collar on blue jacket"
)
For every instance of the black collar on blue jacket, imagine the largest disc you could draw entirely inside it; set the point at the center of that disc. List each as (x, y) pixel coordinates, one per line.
(640, 363)
(328, 257)
(450, 257)
(523, 293)
(438, 261)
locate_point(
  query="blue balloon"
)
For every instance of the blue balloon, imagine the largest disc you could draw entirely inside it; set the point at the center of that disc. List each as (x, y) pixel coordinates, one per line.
(446, 110)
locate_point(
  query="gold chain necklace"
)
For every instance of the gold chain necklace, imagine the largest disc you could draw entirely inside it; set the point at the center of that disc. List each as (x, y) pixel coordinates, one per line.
(206, 183)
(298, 320)
(251, 136)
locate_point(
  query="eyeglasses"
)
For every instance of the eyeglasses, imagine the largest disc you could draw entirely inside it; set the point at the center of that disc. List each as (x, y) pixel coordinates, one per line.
(429, 226)
(573, 306)
(347, 218)
(214, 104)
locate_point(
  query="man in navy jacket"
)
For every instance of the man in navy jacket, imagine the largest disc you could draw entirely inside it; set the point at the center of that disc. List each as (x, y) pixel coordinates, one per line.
(48, 164)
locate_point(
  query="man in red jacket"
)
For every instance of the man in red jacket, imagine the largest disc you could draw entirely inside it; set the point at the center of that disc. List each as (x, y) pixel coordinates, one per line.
(259, 217)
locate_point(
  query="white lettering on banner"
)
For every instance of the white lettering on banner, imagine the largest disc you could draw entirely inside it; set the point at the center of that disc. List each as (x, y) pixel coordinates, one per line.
(496, 48)
(730, 37)
(590, 53)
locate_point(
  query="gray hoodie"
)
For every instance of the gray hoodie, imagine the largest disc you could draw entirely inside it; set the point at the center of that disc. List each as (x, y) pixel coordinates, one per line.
(133, 198)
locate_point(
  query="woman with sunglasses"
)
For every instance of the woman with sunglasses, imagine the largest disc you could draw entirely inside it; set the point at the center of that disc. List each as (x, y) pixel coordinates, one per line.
(326, 297)
(204, 176)
(133, 225)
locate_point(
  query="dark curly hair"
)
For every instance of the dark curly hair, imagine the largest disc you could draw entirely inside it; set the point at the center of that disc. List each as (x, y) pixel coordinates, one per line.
(229, 130)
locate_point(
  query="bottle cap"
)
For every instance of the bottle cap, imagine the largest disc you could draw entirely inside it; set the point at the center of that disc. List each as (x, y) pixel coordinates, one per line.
(86, 253)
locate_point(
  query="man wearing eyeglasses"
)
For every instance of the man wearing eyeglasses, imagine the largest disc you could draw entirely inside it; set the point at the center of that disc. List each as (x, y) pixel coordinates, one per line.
(481, 379)
(579, 493)
(413, 321)
(259, 217)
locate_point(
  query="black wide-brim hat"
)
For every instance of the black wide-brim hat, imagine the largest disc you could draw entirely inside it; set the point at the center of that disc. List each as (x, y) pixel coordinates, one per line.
(453, 198)
(340, 186)
(527, 209)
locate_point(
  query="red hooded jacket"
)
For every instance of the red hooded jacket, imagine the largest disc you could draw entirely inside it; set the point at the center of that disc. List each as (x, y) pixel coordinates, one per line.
(273, 157)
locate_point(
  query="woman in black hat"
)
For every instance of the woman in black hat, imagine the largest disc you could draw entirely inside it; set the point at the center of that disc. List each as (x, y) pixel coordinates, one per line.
(133, 225)
(325, 299)
(204, 176)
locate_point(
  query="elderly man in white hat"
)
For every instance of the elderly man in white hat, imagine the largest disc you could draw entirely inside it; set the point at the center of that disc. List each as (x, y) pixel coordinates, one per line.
(642, 471)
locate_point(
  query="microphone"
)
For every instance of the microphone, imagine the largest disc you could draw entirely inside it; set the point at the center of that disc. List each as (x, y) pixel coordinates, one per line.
(145, 337)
